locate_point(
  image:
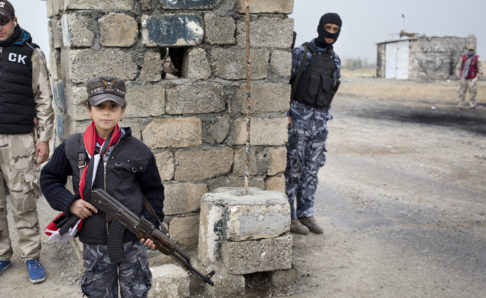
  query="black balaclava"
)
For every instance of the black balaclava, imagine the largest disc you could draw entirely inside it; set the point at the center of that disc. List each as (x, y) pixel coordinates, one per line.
(328, 18)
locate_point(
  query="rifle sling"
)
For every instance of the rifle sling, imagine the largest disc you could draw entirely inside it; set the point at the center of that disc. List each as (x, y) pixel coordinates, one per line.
(295, 82)
(151, 210)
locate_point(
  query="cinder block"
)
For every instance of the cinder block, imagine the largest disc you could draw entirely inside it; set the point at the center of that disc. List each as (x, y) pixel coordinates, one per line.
(203, 163)
(277, 157)
(219, 30)
(259, 215)
(267, 6)
(240, 162)
(235, 181)
(216, 129)
(230, 63)
(257, 256)
(172, 30)
(273, 32)
(263, 131)
(281, 64)
(77, 30)
(55, 64)
(99, 5)
(265, 97)
(165, 164)
(169, 281)
(75, 102)
(225, 284)
(202, 97)
(152, 66)
(118, 30)
(183, 198)
(184, 230)
(275, 183)
(210, 230)
(193, 4)
(227, 213)
(53, 7)
(55, 33)
(80, 66)
(173, 133)
(144, 100)
(196, 64)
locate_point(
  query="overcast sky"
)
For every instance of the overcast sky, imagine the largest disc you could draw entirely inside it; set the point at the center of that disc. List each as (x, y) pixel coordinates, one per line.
(364, 22)
(367, 22)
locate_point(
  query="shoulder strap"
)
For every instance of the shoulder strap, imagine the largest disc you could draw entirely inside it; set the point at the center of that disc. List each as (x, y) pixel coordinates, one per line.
(295, 82)
(34, 48)
(75, 146)
(151, 210)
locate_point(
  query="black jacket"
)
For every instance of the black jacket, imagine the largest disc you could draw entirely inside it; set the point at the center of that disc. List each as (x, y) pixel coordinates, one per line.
(131, 174)
(17, 105)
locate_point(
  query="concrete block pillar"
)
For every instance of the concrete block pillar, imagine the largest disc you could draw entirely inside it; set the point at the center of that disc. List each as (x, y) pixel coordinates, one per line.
(244, 233)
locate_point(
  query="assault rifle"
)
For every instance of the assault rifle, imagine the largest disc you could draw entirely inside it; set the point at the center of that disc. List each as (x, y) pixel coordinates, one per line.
(143, 228)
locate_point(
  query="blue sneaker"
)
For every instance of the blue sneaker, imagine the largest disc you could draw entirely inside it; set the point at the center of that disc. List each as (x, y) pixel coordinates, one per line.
(37, 274)
(4, 265)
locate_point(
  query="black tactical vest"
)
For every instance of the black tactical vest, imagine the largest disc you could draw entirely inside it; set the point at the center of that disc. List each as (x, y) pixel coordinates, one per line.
(315, 87)
(17, 106)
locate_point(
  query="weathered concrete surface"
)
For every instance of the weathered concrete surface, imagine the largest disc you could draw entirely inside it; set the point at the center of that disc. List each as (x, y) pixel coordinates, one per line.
(257, 256)
(265, 97)
(203, 97)
(203, 163)
(82, 65)
(169, 281)
(101, 5)
(118, 30)
(225, 284)
(183, 198)
(263, 131)
(172, 30)
(173, 132)
(267, 6)
(219, 30)
(260, 221)
(187, 4)
(77, 30)
(184, 230)
(228, 214)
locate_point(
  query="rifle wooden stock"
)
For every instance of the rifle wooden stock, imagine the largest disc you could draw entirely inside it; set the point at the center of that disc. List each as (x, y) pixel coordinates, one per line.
(144, 229)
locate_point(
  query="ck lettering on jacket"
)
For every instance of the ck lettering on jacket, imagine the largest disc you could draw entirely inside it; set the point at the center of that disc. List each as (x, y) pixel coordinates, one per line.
(12, 57)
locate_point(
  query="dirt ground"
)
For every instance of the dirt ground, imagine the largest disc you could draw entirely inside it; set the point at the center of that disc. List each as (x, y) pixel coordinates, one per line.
(401, 198)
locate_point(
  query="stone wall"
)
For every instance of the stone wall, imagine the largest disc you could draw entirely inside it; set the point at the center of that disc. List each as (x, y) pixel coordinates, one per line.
(435, 58)
(194, 124)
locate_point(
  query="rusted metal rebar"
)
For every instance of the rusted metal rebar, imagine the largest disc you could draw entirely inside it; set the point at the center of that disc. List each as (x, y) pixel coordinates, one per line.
(248, 95)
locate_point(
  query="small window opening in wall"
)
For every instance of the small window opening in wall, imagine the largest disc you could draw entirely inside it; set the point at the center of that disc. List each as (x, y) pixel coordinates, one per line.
(172, 62)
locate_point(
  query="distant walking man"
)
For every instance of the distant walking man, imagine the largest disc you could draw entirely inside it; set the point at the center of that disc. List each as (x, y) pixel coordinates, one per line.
(25, 106)
(467, 69)
(315, 80)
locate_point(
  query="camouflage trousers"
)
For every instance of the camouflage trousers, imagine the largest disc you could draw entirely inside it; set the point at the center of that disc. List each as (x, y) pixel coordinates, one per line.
(472, 86)
(20, 175)
(101, 277)
(305, 156)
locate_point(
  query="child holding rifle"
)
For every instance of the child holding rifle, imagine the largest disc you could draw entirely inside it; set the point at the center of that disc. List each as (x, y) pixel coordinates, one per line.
(106, 157)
